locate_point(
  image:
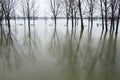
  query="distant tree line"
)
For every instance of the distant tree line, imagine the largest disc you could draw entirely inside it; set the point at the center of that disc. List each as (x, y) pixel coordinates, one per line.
(7, 8)
(109, 11)
(28, 8)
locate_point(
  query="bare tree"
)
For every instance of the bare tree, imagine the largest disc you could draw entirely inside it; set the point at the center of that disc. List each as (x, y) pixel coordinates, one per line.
(29, 10)
(1, 16)
(105, 2)
(35, 10)
(66, 6)
(91, 6)
(8, 8)
(72, 8)
(76, 11)
(23, 10)
(102, 14)
(1, 11)
(55, 9)
(114, 5)
(80, 11)
(118, 16)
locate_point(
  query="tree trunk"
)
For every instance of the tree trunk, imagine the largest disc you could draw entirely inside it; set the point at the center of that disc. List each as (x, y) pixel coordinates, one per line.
(91, 20)
(1, 27)
(72, 19)
(112, 16)
(106, 15)
(80, 10)
(55, 19)
(102, 15)
(91, 14)
(29, 23)
(8, 20)
(67, 22)
(75, 19)
(117, 25)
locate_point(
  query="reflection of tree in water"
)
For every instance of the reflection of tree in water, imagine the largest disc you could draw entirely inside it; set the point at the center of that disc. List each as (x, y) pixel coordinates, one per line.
(31, 44)
(67, 53)
(82, 59)
(90, 59)
(101, 66)
(11, 53)
(55, 41)
(71, 57)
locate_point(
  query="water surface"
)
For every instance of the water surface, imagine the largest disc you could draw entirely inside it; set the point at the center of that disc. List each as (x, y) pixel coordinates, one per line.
(48, 54)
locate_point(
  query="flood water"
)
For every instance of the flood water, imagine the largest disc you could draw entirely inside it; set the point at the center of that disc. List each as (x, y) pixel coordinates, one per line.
(49, 54)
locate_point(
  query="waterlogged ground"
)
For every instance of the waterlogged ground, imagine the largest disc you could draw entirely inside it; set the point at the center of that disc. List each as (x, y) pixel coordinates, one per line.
(49, 54)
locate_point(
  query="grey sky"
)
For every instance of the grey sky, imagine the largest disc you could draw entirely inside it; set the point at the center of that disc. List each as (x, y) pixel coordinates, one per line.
(44, 9)
(43, 6)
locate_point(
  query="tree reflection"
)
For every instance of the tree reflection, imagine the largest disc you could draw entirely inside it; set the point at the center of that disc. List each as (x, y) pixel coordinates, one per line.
(85, 59)
(67, 52)
(55, 39)
(71, 57)
(30, 44)
(11, 53)
(102, 65)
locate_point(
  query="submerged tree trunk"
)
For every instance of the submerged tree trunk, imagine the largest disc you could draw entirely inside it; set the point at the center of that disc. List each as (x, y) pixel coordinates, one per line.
(1, 27)
(88, 23)
(106, 15)
(91, 20)
(117, 25)
(8, 21)
(72, 19)
(75, 19)
(55, 20)
(29, 23)
(67, 22)
(91, 11)
(101, 5)
(112, 15)
(80, 10)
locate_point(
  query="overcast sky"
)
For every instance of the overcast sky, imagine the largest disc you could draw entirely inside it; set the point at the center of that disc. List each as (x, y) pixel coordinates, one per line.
(43, 7)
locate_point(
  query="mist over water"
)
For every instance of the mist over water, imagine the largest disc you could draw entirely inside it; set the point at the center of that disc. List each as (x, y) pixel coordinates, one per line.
(46, 53)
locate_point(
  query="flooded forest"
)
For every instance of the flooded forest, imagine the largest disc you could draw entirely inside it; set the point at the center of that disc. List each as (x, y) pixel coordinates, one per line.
(64, 40)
